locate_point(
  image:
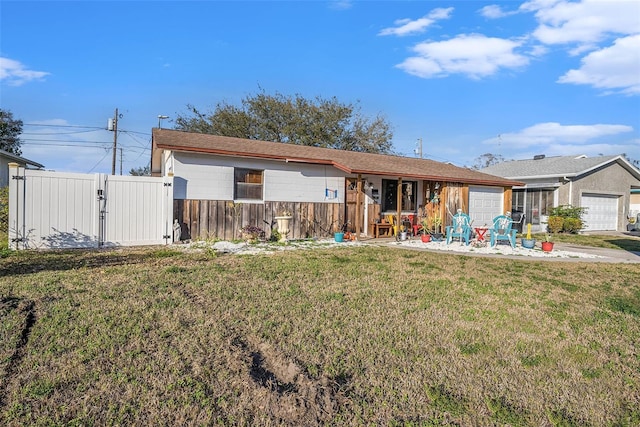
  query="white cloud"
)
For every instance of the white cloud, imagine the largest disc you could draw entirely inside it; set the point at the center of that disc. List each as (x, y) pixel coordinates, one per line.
(616, 67)
(549, 134)
(587, 27)
(341, 4)
(404, 27)
(15, 73)
(494, 11)
(584, 22)
(538, 51)
(474, 55)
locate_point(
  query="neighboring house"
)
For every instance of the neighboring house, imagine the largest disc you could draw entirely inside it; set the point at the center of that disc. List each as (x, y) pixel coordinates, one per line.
(634, 203)
(602, 185)
(223, 183)
(6, 158)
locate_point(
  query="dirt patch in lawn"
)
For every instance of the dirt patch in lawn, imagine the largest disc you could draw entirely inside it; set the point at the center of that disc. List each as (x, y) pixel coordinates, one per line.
(286, 392)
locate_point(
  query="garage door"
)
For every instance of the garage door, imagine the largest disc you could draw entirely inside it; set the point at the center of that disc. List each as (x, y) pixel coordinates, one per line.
(485, 203)
(602, 212)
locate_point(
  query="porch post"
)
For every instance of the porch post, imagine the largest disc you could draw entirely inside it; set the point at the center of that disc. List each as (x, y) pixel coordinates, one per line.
(358, 206)
(399, 204)
(508, 193)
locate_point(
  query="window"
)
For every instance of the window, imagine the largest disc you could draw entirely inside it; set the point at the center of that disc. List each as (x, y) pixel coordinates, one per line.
(390, 195)
(248, 184)
(533, 203)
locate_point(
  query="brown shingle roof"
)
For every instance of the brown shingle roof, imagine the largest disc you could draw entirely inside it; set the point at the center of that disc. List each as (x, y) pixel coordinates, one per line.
(348, 161)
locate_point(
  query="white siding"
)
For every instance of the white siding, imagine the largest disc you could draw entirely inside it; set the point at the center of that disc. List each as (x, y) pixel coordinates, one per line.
(208, 177)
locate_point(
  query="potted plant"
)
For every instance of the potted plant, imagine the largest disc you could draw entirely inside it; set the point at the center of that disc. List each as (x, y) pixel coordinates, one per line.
(339, 235)
(547, 244)
(426, 236)
(528, 242)
(437, 230)
(251, 233)
(402, 232)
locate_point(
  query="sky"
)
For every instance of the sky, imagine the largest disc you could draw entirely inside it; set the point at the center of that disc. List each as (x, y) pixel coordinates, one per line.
(454, 79)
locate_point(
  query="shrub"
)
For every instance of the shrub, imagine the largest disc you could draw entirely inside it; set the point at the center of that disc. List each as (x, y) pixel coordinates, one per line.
(555, 224)
(572, 225)
(567, 211)
(252, 232)
(566, 218)
(275, 235)
(4, 209)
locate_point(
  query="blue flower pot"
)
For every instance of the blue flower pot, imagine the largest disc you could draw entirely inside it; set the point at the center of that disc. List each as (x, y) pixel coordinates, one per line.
(339, 237)
(528, 243)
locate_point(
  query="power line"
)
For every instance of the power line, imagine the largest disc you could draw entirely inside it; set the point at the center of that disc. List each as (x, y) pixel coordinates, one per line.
(64, 145)
(99, 161)
(63, 126)
(60, 140)
(59, 133)
(61, 144)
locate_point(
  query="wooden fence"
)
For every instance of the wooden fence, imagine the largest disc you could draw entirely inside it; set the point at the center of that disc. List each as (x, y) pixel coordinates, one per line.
(221, 219)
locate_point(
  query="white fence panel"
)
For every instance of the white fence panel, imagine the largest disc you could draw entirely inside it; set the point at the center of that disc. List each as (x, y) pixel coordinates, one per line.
(52, 211)
(69, 210)
(137, 210)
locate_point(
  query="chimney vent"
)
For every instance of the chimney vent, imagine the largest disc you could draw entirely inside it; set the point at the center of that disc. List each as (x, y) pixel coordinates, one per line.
(538, 157)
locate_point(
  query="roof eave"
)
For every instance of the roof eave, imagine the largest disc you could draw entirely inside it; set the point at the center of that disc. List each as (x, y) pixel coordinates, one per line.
(340, 166)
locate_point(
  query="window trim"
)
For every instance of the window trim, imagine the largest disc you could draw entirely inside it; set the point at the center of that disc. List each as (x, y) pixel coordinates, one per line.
(386, 185)
(245, 173)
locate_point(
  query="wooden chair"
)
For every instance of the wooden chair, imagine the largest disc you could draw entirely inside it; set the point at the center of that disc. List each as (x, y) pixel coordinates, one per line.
(460, 227)
(502, 230)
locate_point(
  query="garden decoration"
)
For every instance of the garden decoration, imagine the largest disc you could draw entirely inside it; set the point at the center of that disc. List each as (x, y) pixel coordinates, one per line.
(284, 220)
(502, 230)
(528, 242)
(460, 227)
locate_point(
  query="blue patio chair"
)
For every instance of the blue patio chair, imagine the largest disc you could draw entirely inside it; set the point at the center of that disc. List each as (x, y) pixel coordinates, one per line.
(460, 227)
(502, 230)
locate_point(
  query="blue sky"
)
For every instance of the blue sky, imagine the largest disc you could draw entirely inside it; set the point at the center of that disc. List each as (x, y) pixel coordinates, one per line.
(514, 78)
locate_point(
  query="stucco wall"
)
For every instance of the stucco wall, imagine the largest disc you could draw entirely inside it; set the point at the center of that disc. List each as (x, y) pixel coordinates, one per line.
(208, 177)
(612, 180)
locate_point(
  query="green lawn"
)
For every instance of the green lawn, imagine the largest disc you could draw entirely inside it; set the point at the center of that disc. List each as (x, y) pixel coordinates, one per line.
(334, 336)
(628, 243)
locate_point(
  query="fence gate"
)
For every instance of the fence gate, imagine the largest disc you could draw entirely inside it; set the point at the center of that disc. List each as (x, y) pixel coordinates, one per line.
(71, 210)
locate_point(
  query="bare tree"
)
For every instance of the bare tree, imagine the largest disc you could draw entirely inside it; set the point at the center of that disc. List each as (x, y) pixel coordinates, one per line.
(486, 160)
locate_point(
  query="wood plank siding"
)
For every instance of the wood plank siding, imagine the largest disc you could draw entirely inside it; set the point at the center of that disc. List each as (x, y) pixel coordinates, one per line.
(223, 219)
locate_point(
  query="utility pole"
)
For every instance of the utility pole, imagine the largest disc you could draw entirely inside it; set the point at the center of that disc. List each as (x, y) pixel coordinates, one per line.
(419, 149)
(115, 142)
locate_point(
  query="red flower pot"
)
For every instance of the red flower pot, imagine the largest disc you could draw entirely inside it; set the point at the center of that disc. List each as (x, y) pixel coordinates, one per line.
(426, 238)
(547, 246)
